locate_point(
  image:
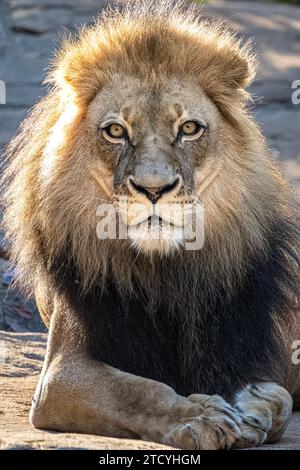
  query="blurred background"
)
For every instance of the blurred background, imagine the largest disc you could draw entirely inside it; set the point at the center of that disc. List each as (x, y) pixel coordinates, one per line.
(30, 31)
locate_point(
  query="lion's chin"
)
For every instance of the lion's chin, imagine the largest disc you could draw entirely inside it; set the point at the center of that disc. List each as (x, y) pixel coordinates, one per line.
(164, 247)
(160, 237)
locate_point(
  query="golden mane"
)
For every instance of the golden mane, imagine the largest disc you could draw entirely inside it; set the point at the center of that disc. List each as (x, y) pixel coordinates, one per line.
(157, 38)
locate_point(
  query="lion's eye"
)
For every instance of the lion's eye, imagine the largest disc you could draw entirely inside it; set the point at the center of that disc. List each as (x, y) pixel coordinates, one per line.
(190, 127)
(191, 130)
(114, 132)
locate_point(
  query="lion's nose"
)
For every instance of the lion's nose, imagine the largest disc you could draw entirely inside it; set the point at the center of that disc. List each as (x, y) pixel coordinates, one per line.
(153, 191)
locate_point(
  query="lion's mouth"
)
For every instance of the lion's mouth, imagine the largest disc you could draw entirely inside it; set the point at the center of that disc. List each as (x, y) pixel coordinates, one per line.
(155, 221)
(156, 228)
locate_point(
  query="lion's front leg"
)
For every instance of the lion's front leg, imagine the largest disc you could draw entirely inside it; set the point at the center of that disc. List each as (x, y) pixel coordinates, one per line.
(78, 394)
(266, 408)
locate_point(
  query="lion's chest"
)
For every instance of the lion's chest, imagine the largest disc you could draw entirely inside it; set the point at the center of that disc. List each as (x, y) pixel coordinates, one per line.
(127, 337)
(162, 346)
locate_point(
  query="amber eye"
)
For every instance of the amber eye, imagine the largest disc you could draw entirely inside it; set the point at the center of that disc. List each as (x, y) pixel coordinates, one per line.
(114, 132)
(191, 130)
(190, 127)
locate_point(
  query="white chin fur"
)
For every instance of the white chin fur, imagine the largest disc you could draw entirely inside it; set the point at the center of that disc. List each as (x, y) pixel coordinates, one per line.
(155, 240)
(158, 246)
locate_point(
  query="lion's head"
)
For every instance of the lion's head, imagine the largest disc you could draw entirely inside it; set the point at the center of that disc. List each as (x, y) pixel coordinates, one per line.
(147, 105)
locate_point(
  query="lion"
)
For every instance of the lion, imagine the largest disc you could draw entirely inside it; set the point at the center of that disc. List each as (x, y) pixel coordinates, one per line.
(148, 338)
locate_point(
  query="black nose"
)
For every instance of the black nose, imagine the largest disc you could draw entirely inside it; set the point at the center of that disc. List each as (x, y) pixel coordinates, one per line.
(154, 193)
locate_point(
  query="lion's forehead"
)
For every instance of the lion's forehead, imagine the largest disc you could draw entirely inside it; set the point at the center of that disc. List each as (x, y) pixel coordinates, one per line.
(150, 104)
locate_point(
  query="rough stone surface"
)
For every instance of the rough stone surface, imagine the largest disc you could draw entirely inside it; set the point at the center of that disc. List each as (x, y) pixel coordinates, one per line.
(21, 356)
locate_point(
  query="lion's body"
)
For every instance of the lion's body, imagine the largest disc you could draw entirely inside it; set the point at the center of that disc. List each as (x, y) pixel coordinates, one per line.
(207, 321)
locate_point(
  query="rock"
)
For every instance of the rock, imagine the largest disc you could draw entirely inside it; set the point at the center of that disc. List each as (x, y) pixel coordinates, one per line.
(39, 440)
(37, 20)
(86, 5)
(21, 357)
(23, 96)
(10, 119)
(16, 313)
(280, 125)
(277, 92)
(36, 45)
(30, 67)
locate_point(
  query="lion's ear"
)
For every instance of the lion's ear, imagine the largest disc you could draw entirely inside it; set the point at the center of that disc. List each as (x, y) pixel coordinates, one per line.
(237, 69)
(76, 69)
(230, 67)
(227, 69)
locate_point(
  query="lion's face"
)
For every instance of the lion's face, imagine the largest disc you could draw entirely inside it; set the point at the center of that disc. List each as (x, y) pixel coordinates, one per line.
(148, 148)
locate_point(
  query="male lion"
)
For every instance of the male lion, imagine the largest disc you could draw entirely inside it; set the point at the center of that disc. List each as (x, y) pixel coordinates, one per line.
(149, 339)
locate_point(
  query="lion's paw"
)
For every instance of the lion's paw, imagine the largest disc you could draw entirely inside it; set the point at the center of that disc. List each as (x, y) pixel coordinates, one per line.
(216, 427)
(265, 409)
